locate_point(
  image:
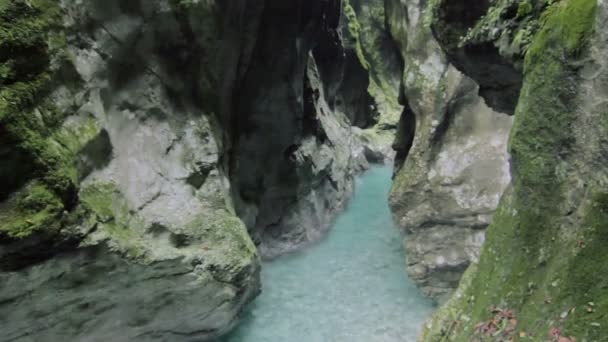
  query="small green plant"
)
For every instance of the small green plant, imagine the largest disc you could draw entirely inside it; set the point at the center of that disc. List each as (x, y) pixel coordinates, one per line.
(524, 9)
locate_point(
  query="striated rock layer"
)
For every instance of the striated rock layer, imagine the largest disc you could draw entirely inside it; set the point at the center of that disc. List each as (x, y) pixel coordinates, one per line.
(452, 164)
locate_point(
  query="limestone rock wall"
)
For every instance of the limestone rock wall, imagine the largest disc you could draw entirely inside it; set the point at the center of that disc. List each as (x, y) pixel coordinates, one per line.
(291, 165)
(452, 164)
(317, 102)
(148, 246)
(542, 260)
(366, 36)
(148, 142)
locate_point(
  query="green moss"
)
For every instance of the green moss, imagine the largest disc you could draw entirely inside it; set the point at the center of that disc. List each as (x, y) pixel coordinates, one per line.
(99, 199)
(527, 264)
(375, 54)
(34, 209)
(226, 242)
(586, 282)
(567, 26)
(217, 233)
(507, 24)
(222, 226)
(31, 50)
(116, 223)
(524, 9)
(354, 28)
(72, 137)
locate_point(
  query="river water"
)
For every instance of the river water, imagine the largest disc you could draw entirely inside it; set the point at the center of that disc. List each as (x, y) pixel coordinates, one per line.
(351, 286)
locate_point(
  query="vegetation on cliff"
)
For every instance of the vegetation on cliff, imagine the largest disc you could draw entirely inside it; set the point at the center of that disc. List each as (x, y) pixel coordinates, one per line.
(30, 53)
(377, 53)
(542, 261)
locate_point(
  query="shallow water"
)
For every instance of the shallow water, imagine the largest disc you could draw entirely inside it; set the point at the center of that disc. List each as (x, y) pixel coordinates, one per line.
(352, 286)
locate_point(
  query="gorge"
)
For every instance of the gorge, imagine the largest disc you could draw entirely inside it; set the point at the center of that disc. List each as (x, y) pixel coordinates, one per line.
(363, 255)
(163, 162)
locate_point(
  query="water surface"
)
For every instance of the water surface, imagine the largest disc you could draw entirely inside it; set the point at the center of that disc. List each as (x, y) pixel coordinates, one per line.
(350, 287)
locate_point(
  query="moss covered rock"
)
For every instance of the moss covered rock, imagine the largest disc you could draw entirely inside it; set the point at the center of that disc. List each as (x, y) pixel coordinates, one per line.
(29, 119)
(365, 33)
(116, 221)
(541, 261)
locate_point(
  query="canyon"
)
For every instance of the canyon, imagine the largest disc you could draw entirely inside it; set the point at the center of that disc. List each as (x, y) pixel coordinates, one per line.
(157, 156)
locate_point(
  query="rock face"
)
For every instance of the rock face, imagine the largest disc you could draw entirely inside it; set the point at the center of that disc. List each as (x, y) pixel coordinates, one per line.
(543, 258)
(294, 150)
(291, 161)
(365, 35)
(452, 163)
(144, 241)
(144, 140)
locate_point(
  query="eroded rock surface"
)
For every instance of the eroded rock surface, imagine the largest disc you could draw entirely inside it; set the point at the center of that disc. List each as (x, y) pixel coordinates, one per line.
(146, 141)
(543, 251)
(452, 163)
(144, 243)
(318, 103)
(291, 162)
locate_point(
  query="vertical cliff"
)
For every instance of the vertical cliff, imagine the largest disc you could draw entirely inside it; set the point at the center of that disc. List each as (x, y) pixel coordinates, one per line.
(541, 273)
(452, 163)
(118, 213)
(317, 102)
(366, 37)
(291, 164)
(146, 142)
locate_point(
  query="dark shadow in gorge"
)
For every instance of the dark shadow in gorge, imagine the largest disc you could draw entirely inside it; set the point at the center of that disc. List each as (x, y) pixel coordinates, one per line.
(344, 79)
(274, 114)
(276, 110)
(499, 78)
(406, 131)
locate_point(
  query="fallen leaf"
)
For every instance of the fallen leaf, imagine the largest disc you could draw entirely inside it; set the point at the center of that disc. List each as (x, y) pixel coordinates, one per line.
(555, 332)
(512, 325)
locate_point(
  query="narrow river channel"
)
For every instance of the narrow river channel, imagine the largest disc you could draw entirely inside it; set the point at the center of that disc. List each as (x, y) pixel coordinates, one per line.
(352, 286)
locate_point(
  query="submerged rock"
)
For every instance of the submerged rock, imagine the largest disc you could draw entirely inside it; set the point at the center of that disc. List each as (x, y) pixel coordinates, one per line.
(452, 163)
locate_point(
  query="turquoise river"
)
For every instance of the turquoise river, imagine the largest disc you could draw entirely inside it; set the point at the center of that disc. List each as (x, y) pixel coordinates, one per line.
(351, 286)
